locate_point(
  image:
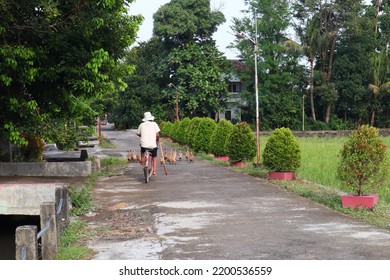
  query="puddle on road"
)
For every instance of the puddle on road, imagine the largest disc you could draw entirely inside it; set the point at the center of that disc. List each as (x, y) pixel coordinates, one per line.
(188, 204)
(354, 231)
(137, 249)
(170, 229)
(115, 190)
(167, 224)
(371, 235)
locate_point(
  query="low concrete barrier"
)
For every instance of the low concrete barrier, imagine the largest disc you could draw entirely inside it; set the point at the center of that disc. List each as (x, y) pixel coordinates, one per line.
(54, 218)
(53, 169)
(26, 199)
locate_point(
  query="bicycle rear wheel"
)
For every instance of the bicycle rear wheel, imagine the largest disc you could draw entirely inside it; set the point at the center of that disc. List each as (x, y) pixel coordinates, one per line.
(146, 174)
(148, 168)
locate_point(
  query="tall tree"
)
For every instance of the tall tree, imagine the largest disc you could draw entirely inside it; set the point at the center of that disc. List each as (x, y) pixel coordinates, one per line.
(308, 35)
(278, 68)
(184, 21)
(380, 58)
(326, 20)
(352, 69)
(198, 75)
(57, 56)
(144, 86)
(194, 65)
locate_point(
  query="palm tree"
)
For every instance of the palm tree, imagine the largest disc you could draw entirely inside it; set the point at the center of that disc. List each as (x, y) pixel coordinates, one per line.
(380, 61)
(379, 86)
(309, 40)
(378, 4)
(330, 24)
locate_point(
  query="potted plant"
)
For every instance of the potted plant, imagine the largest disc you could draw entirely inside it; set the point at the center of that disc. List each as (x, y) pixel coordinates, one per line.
(363, 167)
(241, 145)
(282, 155)
(219, 139)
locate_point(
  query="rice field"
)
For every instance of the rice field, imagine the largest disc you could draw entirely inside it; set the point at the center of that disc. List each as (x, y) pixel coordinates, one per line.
(320, 160)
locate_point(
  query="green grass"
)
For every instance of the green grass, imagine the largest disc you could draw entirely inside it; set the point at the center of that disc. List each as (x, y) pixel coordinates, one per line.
(81, 196)
(112, 161)
(105, 143)
(72, 239)
(320, 158)
(109, 164)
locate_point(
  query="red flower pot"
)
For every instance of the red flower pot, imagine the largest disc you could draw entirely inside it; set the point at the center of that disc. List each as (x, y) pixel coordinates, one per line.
(237, 164)
(355, 201)
(224, 158)
(281, 176)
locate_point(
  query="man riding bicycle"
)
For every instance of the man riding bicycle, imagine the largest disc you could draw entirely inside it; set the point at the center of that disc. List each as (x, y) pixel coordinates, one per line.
(149, 132)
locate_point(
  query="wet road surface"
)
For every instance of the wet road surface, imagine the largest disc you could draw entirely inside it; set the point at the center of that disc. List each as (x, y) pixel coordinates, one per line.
(203, 211)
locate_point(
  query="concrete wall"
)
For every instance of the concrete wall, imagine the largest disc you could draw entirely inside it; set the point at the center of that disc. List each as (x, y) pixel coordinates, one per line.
(25, 199)
(50, 169)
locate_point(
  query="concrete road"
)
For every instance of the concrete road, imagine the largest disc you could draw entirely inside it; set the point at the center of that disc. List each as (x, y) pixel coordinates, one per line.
(203, 211)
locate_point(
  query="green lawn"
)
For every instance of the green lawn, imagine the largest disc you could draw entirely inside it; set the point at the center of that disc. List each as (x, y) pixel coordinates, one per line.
(320, 160)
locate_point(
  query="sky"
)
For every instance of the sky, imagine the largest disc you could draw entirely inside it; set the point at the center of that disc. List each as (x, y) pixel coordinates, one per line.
(223, 36)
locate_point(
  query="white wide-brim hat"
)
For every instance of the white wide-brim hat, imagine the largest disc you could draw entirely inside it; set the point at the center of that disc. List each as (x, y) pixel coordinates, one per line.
(148, 117)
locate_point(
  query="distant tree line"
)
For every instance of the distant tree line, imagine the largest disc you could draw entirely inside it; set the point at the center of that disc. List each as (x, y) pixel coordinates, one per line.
(64, 63)
(329, 58)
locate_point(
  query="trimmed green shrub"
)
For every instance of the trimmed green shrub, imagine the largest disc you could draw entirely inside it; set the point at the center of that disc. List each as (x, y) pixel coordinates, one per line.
(282, 152)
(182, 130)
(166, 129)
(174, 130)
(363, 164)
(202, 138)
(161, 125)
(192, 130)
(241, 145)
(219, 138)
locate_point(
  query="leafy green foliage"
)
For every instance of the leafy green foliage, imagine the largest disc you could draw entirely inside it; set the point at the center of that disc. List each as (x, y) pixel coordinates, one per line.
(182, 130)
(198, 69)
(33, 151)
(192, 62)
(282, 152)
(183, 21)
(175, 130)
(202, 138)
(280, 75)
(363, 164)
(241, 144)
(144, 92)
(220, 137)
(352, 68)
(166, 129)
(193, 129)
(61, 60)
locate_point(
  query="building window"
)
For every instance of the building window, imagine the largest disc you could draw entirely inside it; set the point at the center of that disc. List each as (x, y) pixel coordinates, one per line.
(228, 115)
(234, 87)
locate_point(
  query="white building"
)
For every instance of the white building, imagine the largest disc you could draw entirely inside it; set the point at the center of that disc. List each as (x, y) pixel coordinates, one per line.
(232, 111)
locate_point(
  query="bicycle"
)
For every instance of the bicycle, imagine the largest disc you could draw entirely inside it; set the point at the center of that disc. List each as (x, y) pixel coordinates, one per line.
(148, 167)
